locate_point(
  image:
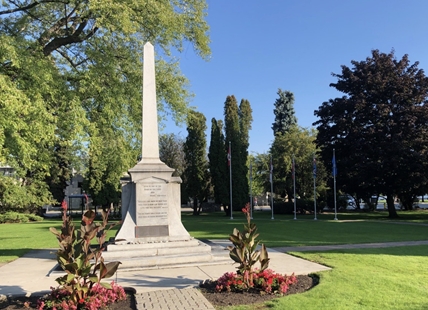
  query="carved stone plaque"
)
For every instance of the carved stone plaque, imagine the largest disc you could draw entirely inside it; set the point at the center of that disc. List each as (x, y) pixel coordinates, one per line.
(151, 231)
(152, 204)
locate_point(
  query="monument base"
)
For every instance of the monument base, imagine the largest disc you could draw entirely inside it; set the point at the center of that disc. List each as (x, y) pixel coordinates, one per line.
(158, 255)
(151, 205)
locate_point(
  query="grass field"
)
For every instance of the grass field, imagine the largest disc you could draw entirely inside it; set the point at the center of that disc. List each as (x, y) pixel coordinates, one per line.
(351, 228)
(385, 278)
(18, 239)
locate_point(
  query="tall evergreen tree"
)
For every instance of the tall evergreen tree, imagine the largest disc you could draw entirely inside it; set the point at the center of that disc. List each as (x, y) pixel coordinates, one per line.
(196, 159)
(237, 126)
(284, 112)
(218, 163)
(231, 128)
(245, 120)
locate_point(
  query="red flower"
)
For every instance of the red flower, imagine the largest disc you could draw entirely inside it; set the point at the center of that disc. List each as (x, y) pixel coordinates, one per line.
(246, 209)
(64, 205)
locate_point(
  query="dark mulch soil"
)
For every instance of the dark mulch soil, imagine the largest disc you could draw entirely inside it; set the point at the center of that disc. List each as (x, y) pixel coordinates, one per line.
(31, 303)
(223, 299)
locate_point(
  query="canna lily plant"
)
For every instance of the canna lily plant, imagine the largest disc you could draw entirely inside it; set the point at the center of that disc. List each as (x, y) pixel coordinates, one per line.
(244, 250)
(84, 265)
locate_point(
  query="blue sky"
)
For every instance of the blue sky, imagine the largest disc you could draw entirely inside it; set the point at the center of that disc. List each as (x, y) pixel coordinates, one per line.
(260, 46)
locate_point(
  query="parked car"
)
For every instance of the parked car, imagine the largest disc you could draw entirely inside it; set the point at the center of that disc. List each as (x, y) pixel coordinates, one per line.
(346, 202)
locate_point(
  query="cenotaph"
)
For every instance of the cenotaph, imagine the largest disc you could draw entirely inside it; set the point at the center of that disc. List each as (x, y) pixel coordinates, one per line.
(152, 234)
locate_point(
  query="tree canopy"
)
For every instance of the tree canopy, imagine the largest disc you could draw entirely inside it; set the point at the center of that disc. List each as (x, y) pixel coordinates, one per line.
(300, 143)
(378, 128)
(72, 70)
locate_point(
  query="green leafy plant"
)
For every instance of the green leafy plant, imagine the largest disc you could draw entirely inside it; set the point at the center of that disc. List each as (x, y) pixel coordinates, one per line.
(83, 264)
(244, 250)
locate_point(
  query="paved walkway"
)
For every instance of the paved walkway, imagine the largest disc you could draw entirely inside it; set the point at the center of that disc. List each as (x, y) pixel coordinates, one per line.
(173, 299)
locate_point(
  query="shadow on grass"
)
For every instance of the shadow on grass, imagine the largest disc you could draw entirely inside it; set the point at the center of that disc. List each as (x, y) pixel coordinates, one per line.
(411, 250)
(30, 253)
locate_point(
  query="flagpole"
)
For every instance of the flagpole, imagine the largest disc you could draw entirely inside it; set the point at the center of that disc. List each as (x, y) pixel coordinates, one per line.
(315, 191)
(229, 158)
(334, 182)
(251, 189)
(271, 186)
(294, 186)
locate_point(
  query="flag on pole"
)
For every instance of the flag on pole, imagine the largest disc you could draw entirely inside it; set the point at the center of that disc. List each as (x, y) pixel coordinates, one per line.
(333, 161)
(271, 170)
(314, 167)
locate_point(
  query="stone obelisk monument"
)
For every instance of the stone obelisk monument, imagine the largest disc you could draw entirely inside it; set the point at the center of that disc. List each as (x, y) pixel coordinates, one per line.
(155, 193)
(152, 234)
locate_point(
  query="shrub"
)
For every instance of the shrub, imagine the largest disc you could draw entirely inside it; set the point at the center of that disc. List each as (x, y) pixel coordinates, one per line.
(282, 207)
(34, 218)
(15, 217)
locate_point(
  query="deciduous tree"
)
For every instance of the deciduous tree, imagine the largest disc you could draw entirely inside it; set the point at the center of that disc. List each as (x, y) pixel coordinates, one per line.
(171, 152)
(378, 128)
(75, 67)
(300, 143)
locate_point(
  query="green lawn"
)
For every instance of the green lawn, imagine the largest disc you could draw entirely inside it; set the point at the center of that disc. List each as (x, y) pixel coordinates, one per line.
(18, 239)
(387, 278)
(285, 231)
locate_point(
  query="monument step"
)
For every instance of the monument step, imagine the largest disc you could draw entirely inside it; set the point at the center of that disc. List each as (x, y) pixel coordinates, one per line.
(172, 261)
(161, 250)
(153, 245)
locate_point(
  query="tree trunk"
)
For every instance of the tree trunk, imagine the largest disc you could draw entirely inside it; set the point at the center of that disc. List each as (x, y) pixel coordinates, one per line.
(195, 206)
(226, 210)
(391, 207)
(407, 201)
